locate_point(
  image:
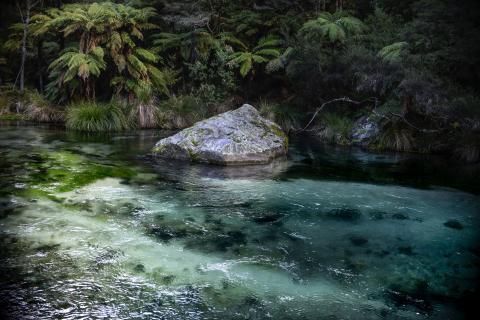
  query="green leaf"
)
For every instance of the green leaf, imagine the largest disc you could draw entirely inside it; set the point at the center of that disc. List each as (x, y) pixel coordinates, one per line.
(393, 53)
(246, 67)
(146, 55)
(268, 52)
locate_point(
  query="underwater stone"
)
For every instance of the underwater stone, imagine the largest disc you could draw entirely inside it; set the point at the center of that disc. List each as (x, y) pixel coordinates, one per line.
(399, 216)
(168, 279)
(346, 214)
(232, 238)
(139, 268)
(407, 250)
(236, 137)
(269, 218)
(218, 241)
(376, 215)
(167, 233)
(454, 224)
(358, 241)
(382, 253)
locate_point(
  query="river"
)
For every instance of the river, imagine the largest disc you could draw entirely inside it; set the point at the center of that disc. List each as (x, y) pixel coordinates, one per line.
(91, 227)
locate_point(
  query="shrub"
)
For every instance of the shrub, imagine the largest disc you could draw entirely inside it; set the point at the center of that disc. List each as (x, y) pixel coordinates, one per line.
(93, 117)
(180, 112)
(39, 109)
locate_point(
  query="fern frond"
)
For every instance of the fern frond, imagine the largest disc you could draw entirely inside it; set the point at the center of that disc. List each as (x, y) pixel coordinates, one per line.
(393, 52)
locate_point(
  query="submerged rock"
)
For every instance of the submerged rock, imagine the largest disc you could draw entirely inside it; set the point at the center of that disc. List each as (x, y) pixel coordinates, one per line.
(406, 250)
(400, 216)
(454, 224)
(358, 241)
(268, 218)
(235, 137)
(345, 214)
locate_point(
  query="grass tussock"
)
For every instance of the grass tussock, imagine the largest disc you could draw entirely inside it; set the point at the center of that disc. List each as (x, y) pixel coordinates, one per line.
(96, 117)
(395, 136)
(285, 116)
(336, 129)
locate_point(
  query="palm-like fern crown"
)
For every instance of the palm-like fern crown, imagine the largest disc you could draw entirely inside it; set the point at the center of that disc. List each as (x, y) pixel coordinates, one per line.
(14, 38)
(246, 22)
(188, 44)
(336, 27)
(393, 53)
(79, 64)
(104, 28)
(266, 49)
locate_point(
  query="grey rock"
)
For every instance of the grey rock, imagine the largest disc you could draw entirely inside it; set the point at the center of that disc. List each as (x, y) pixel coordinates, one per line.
(364, 129)
(236, 137)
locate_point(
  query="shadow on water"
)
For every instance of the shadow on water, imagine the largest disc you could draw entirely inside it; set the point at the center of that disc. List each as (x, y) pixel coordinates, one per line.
(314, 160)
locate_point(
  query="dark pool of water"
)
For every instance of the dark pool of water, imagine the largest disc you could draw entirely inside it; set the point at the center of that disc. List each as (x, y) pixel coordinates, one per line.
(93, 227)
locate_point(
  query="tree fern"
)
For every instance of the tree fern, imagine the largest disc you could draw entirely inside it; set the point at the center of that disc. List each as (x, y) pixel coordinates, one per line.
(247, 23)
(188, 45)
(393, 52)
(335, 27)
(72, 64)
(102, 28)
(265, 51)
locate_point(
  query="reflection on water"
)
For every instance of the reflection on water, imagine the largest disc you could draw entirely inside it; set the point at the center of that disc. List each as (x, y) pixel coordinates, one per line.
(92, 227)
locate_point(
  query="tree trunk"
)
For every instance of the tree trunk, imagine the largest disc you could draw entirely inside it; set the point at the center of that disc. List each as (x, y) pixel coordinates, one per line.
(40, 59)
(40, 65)
(339, 5)
(25, 21)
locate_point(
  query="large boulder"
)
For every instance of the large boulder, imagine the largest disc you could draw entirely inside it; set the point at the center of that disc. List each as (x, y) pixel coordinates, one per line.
(235, 137)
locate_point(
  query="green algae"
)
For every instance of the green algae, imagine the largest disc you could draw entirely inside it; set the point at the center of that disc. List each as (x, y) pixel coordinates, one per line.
(11, 117)
(158, 149)
(279, 133)
(193, 156)
(63, 171)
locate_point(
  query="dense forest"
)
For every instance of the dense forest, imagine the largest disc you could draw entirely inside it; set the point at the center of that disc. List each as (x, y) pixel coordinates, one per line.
(386, 74)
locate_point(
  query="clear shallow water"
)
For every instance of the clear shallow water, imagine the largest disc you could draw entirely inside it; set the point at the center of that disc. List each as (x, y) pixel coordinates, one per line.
(91, 227)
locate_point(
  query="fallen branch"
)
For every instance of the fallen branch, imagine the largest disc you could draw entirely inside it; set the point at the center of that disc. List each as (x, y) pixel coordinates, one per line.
(344, 99)
(375, 100)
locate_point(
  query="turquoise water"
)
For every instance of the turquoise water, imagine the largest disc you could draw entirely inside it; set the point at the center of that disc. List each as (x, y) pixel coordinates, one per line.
(92, 227)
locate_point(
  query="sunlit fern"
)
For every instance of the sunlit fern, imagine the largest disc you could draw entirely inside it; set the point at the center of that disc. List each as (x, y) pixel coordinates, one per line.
(335, 27)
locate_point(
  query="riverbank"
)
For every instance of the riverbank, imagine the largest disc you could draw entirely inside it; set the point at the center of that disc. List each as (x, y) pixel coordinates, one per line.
(366, 132)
